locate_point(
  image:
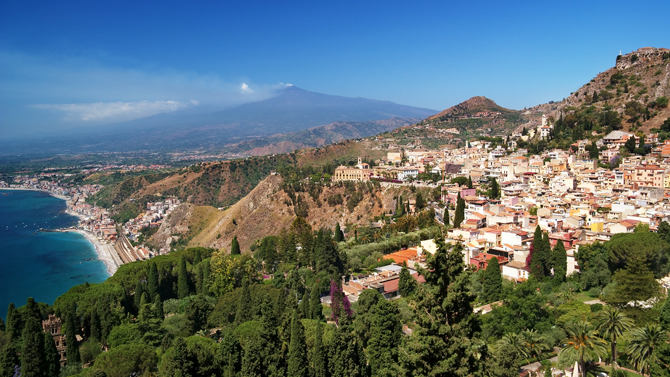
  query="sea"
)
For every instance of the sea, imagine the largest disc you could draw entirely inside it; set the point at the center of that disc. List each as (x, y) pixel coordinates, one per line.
(42, 265)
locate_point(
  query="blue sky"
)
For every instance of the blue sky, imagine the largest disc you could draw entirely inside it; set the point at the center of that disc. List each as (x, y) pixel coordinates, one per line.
(86, 63)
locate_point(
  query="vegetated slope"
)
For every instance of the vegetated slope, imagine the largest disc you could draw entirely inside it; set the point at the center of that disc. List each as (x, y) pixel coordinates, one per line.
(271, 207)
(317, 136)
(632, 89)
(220, 184)
(475, 116)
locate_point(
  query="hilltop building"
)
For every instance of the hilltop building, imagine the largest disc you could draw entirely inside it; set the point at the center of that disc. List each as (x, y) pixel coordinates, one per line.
(361, 172)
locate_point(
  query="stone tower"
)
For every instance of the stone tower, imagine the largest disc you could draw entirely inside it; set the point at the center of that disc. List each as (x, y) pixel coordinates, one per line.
(53, 325)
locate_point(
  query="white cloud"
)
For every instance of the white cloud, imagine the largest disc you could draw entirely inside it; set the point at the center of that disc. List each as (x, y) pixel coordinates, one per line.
(114, 111)
(246, 88)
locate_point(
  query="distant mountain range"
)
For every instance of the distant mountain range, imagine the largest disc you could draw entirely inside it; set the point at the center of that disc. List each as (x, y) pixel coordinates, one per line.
(293, 110)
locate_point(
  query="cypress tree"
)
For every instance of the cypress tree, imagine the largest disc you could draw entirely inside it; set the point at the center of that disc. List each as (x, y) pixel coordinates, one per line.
(318, 353)
(547, 254)
(460, 211)
(205, 277)
(244, 306)
(197, 258)
(469, 182)
(137, 297)
(152, 280)
(406, 283)
(158, 308)
(492, 287)
(182, 279)
(316, 310)
(297, 354)
(52, 358)
(13, 322)
(33, 357)
(304, 306)
(199, 279)
(230, 355)
(10, 360)
(72, 352)
(2, 325)
(252, 362)
(339, 235)
(419, 202)
(235, 247)
(385, 335)
(560, 257)
(400, 208)
(536, 256)
(33, 310)
(495, 189)
(95, 324)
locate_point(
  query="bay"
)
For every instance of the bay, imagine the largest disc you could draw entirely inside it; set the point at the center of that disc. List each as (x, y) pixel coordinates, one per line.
(42, 265)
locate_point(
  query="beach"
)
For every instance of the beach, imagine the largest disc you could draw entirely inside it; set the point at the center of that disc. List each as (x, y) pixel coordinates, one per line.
(105, 251)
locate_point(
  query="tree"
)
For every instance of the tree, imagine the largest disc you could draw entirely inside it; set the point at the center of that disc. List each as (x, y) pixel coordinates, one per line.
(315, 307)
(515, 343)
(492, 281)
(643, 344)
(446, 336)
(459, 216)
(419, 202)
(469, 182)
(534, 342)
(152, 280)
(158, 308)
(297, 354)
(72, 352)
(197, 311)
(385, 335)
(33, 355)
(582, 345)
(612, 324)
(339, 235)
(95, 324)
(630, 144)
(495, 190)
(319, 353)
(665, 315)
(182, 279)
(33, 310)
(13, 322)
(10, 360)
(346, 356)
(244, 306)
(560, 259)
(235, 247)
(406, 283)
(52, 358)
(537, 256)
(634, 283)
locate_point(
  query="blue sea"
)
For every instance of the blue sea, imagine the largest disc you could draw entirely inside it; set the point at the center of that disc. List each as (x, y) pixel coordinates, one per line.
(42, 265)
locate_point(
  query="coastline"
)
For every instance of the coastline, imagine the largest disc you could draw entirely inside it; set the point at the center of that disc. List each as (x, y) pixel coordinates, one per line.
(104, 251)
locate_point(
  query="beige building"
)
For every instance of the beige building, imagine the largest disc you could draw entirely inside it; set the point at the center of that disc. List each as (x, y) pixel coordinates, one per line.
(649, 175)
(360, 172)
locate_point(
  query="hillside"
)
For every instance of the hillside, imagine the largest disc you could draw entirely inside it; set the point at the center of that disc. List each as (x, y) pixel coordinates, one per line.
(317, 136)
(272, 206)
(631, 88)
(223, 183)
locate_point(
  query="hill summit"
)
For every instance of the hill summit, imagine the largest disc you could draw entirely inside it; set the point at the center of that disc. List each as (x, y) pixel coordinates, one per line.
(471, 106)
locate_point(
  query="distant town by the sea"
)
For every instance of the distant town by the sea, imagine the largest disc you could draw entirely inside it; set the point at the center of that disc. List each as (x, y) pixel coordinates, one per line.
(42, 265)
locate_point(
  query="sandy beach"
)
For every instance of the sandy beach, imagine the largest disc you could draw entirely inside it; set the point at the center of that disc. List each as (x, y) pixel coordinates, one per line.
(105, 251)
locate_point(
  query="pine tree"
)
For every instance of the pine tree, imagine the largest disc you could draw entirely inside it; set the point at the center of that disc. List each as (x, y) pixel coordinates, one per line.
(560, 257)
(297, 354)
(52, 358)
(244, 306)
(492, 284)
(316, 310)
(406, 283)
(182, 279)
(318, 353)
(636, 282)
(460, 211)
(152, 280)
(385, 335)
(33, 356)
(339, 235)
(235, 247)
(446, 337)
(9, 360)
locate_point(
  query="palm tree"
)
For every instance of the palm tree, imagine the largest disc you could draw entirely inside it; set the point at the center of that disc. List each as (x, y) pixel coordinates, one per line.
(643, 343)
(612, 323)
(582, 344)
(535, 343)
(515, 343)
